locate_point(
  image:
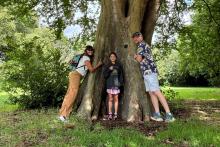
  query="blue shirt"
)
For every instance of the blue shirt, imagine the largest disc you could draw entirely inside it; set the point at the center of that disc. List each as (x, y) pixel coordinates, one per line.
(147, 64)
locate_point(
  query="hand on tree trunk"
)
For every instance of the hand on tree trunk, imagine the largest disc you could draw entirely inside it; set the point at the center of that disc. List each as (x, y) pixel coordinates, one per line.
(138, 58)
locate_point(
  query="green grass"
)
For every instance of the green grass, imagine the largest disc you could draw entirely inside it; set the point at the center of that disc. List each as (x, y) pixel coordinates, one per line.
(197, 93)
(4, 105)
(40, 128)
(192, 133)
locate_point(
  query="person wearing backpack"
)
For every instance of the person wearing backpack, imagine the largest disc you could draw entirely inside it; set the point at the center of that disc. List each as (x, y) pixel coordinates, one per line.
(113, 74)
(150, 75)
(79, 71)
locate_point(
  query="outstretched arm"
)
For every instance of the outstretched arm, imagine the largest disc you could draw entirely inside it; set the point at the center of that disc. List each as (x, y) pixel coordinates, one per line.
(90, 67)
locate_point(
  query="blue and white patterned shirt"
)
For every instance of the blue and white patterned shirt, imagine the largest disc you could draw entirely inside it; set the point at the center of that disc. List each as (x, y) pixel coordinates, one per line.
(147, 64)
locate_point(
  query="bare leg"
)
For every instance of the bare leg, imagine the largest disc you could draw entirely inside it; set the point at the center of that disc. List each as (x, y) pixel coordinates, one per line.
(110, 100)
(162, 100)
(154, 101)
(116, 103)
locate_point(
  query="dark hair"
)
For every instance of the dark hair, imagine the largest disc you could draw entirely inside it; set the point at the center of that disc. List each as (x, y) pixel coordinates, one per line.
(113, 53)
(136, 34)
(89, 47)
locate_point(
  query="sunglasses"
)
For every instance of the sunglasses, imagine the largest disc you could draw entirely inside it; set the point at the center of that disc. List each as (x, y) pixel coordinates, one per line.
(90, 49)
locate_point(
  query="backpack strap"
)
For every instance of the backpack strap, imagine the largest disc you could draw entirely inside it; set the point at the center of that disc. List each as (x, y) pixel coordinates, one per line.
(79, 61)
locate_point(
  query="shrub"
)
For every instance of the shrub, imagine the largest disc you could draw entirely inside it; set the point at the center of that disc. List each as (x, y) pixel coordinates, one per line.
(34, 75)
(170, 94)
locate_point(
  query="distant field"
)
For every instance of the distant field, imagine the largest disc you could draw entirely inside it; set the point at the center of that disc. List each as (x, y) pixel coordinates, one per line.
(3, 98)
(4, 106)
(197, 93)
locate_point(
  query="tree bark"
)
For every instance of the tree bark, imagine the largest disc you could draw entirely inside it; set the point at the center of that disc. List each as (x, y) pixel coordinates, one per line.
(118, 20)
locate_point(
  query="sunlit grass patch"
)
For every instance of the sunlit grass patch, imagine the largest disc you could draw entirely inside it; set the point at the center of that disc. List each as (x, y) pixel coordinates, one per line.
(5, 106)
(196, 93)
(192, 133)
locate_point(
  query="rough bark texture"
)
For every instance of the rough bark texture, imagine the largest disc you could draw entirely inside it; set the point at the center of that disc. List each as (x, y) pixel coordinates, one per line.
(118, 20)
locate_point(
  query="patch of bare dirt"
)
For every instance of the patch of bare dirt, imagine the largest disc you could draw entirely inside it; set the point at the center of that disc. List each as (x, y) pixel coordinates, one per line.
(149, 129)
(206, 110)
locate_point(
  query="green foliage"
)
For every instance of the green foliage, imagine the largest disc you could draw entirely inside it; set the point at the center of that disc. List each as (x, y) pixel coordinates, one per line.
(59, 14)
(168, 66)
(193, 59)
(170, 94)
(198, 43)
(171, 12)
(33, 73)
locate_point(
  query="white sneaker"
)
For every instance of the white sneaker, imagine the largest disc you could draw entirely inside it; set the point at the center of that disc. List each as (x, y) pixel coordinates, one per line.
(169, 118)
(157, 117)
(62, 118)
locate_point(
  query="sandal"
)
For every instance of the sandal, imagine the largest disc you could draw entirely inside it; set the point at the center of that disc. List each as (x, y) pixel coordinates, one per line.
(115, 116)
(105, 117)
(109, 116)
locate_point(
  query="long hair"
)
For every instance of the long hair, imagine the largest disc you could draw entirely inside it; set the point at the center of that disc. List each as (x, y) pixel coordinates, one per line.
(109, 61)
(89, 47)
(113, 53)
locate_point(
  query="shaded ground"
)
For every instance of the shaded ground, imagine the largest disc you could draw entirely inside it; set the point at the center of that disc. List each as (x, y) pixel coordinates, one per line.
(149, 129)
(208, 111)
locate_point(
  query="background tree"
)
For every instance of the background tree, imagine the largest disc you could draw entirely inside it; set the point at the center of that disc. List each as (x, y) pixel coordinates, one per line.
(198, 43)
(32, 72)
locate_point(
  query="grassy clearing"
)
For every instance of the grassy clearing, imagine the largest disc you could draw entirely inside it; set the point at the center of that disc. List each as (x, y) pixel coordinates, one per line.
(191, 133)
(4, 105)
(39, 127)
(197, 93)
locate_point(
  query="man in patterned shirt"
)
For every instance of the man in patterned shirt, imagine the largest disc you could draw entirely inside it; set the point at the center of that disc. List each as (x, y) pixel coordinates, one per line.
(150, 75)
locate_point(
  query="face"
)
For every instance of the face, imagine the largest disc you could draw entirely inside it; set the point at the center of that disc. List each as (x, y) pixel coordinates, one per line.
(89, 52)
(137, 39)
(113, 58)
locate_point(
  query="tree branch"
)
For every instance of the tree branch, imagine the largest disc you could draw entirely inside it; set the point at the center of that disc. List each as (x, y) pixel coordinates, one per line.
(212, 16)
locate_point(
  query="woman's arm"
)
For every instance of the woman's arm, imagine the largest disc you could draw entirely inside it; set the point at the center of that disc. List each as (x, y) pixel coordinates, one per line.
(90, 67)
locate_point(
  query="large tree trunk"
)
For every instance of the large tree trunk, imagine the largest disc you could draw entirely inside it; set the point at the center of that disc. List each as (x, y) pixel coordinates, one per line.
(118, 20)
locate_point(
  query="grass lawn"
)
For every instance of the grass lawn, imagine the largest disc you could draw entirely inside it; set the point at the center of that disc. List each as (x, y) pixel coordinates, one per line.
(4, 105)
(197, 93)
(41, 128)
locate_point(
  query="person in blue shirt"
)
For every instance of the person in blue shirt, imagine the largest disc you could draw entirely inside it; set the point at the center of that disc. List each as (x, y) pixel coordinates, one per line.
(150, 75)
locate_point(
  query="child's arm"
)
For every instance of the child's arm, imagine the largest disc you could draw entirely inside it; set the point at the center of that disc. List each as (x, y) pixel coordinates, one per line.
(107, 71)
